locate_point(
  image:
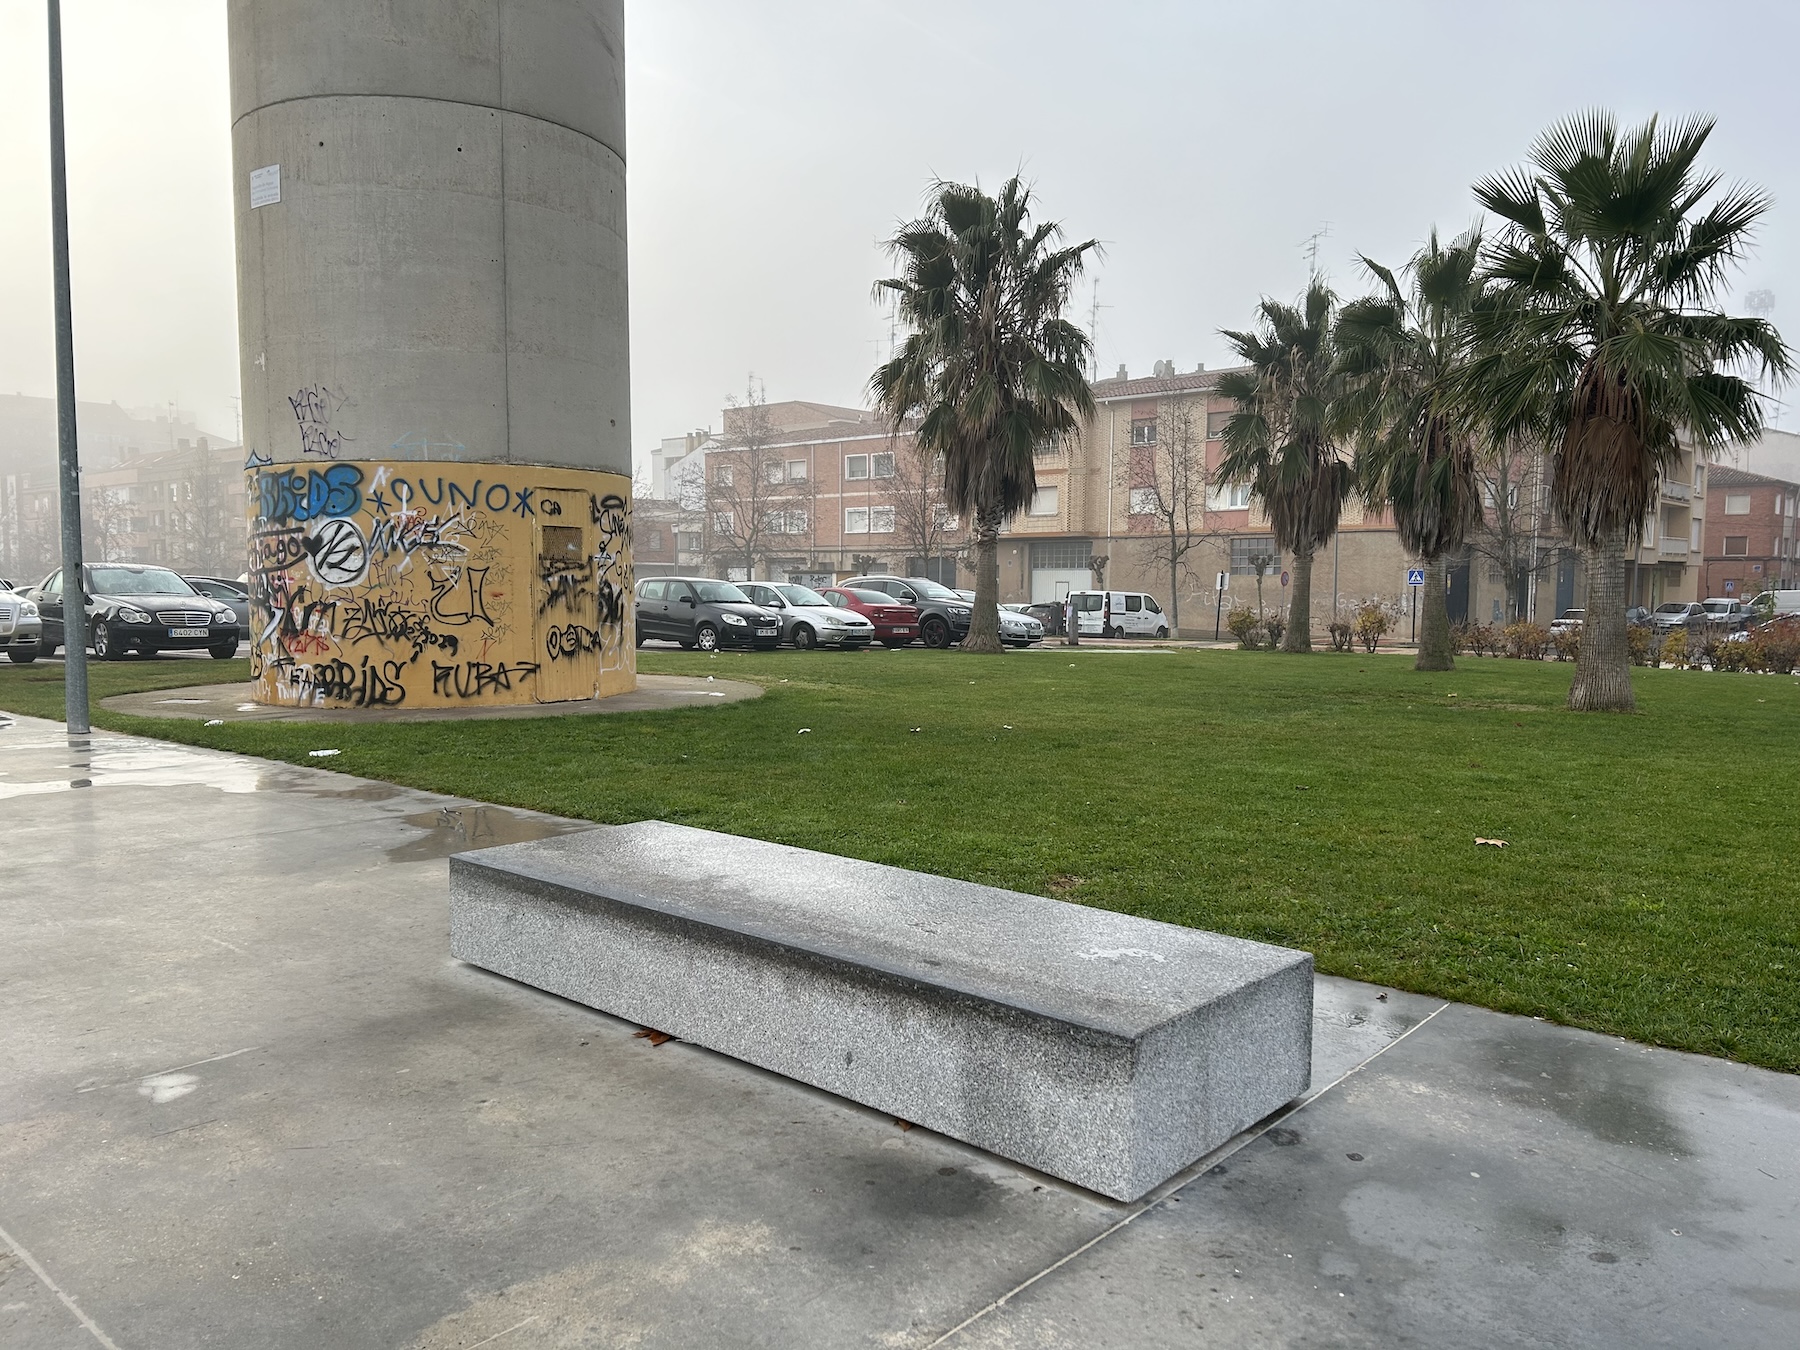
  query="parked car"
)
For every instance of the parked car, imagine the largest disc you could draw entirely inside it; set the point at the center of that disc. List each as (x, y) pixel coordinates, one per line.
(226, 593)
(135, 607)
(1637, 617)
(1047, 612)
(1130, 614)
(1724, 612)
(700, 612)
(943, 614)
(1569, 621)
(21, 628)
(896, 625)
(808, 619)
(1673, 614)
(1019, 630)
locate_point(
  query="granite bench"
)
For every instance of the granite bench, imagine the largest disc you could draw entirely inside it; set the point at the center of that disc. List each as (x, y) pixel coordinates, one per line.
(1108, 1050)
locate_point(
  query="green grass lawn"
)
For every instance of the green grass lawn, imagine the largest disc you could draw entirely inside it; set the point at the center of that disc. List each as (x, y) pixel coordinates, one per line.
(1648, 887)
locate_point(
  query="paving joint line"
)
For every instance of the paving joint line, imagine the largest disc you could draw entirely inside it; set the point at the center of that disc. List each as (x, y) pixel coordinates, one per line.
(1181, 1180)
(68, 1300)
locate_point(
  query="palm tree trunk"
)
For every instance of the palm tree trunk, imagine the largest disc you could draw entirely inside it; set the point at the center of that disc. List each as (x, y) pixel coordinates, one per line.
(1298, 637)
(1603, 666)
(984, 624)
(1434, 623)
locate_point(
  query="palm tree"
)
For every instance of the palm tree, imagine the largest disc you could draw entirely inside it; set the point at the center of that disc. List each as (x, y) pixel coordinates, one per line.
(1279, 440)
(1401, 353)
(1603, 341)
(991, 369)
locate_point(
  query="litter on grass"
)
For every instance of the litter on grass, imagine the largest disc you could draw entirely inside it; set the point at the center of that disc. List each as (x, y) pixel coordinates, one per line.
(1492, 843)
(323, 754)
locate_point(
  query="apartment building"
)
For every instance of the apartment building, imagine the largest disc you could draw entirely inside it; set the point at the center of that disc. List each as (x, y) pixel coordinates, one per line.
(1749, 542)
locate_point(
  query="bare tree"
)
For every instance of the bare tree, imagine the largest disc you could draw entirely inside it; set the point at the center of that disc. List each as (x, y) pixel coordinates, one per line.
(1511, 538)
(752, 506)
(108, 522)
(923, 520)
(201, 525)
(1166, 482)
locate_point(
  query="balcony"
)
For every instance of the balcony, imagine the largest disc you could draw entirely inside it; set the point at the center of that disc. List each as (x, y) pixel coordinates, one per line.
(1676, 492)
(1672, 548)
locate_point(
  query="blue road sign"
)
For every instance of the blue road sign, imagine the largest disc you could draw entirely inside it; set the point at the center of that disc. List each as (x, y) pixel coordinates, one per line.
(1415, 576)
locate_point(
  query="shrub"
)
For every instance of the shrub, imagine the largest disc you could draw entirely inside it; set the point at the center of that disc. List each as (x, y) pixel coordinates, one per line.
(1674, 650)
(1273, 627)
(1526, 641)
(1341, 635)
(1775, 647)
(1566, 643)
(1722, 654)
(1459, 638)
(1244, 627)
(1372, 624)
(1639, 646)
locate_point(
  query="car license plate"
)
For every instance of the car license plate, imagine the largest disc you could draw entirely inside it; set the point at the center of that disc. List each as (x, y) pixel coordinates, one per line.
(903, 629)
(189, 632)
(767, 632)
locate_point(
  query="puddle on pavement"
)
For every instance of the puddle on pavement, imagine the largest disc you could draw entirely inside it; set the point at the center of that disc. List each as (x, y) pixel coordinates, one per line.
(457, 829)
(63, 763)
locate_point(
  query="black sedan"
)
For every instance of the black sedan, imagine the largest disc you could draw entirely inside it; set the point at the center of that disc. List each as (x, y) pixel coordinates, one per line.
(137, 608)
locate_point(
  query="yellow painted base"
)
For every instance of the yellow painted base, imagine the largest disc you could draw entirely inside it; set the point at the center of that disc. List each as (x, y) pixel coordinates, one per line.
(430, 585)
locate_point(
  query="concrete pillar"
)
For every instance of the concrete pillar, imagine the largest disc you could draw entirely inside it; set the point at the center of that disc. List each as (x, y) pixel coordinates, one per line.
(430, 200)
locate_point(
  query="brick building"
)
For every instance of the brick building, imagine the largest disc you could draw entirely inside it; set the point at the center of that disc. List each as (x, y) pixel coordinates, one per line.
(1750, 542)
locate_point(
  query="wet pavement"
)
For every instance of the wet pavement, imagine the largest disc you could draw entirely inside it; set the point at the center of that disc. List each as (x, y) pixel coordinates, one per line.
(247, 1100)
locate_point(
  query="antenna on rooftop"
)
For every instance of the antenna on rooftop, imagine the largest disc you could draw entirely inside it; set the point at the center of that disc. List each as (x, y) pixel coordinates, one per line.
(1310, 247)
(1094, 329)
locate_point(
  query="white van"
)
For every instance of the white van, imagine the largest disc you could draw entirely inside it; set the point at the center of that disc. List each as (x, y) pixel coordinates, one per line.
(1786, 603)
(1119, 614)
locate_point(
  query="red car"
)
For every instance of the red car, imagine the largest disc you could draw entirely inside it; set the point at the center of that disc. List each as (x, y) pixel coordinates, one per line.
(895, 624)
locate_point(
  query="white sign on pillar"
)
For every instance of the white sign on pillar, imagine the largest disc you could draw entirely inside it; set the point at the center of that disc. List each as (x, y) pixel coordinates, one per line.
(265, 186)
(1221, 584)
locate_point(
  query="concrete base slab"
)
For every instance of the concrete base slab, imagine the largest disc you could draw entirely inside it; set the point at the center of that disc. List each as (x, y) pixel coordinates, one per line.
(246, 1100)
(231, 703)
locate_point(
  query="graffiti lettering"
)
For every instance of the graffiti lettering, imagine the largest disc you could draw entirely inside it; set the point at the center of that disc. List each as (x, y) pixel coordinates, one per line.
(552, 507)
(524, 506)
(339, 555)
(296, 625)
(473, 679)
(313, 407)
(372, 684)
(565, 583)
(406, 532)
(380, 620)
(276, 550)
(570, 640)
(285, 498)
(256, 459)
(456, 597)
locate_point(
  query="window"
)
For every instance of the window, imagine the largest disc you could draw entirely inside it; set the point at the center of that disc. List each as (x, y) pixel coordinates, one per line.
(1737, 545)
(856, 520)
(774, 472)
(1151, 605)
(722, 522)
(1143, 431)
(945, 520)
(1247, 549)
(722, 475)
(1062, 555)
(652, 590)
(688, 541)
(881, 520)
(737, 574)
(1737, 503)
(1496, 574)
(1134, 604)
(796, 470)
(856, 466)
(882, 465)
(1694, 536)
(787, 522)
(1215, 424)
(1489, 496)
(653, 540)
(1045, 502)
(1239, 497)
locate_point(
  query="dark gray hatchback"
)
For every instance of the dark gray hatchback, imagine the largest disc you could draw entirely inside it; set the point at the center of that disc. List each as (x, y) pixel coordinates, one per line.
(700, 612)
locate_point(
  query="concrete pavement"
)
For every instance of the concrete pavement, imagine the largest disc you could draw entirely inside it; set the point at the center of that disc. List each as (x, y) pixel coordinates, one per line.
(247, 1100)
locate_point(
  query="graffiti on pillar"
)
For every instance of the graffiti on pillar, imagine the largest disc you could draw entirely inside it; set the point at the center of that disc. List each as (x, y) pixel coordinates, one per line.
(314, 407)
(410, 584)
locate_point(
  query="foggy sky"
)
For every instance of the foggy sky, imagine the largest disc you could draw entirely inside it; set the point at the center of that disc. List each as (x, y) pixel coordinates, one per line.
(774, 145)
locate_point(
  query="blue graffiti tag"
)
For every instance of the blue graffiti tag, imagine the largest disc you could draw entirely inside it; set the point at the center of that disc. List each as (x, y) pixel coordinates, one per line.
(294, 498)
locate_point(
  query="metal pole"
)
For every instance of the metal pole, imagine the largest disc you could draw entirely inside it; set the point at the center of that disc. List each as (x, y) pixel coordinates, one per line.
(74, 594)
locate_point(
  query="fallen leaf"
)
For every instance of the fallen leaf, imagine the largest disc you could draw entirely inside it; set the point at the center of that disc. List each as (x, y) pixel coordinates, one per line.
(1492, 843)
(907, 1124)
(654, 1037)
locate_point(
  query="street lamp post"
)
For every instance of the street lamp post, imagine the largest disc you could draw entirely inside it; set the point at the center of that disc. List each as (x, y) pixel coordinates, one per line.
(74, 599)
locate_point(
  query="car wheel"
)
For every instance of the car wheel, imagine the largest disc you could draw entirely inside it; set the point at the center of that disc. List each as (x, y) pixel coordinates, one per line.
(640, 637)
(221, 652)
(804, 637)
(935, 632)
(101, 640)
(22, 658)
(1162, 633)
(706, 638)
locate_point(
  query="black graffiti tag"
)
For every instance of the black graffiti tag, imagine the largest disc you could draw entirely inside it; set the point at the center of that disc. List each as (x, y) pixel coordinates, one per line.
(570, 640)
(456, 597)
(339, 555)
(474, 679)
